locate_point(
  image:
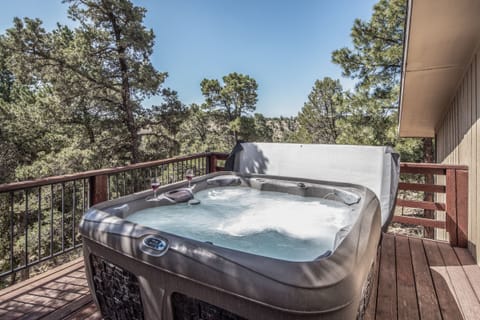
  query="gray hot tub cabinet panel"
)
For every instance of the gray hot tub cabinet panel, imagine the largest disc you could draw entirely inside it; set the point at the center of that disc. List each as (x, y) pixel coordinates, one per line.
(247, 285)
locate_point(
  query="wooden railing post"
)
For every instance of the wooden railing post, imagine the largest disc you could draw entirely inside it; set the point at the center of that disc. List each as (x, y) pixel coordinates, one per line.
(98, 189)
(212, 163)
(457, 207)
(461, 179)
(451, 206)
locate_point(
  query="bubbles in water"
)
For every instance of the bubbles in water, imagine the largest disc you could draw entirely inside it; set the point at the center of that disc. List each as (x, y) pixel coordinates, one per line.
(273, 224)
(304, 220)
(225, 193)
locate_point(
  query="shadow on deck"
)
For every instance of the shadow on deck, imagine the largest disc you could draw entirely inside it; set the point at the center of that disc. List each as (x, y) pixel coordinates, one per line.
(415, 279)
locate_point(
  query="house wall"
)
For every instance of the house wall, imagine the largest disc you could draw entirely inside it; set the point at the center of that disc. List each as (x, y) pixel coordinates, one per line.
(458, 142)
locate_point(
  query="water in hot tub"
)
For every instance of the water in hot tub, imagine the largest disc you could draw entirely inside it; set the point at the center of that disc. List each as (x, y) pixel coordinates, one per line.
(271, 224)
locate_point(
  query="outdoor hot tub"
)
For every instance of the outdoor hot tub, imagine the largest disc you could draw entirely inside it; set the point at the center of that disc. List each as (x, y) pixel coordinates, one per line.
(262, 241)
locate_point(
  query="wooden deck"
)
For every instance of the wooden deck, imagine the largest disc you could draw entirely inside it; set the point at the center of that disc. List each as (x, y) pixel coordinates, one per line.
(414, 279)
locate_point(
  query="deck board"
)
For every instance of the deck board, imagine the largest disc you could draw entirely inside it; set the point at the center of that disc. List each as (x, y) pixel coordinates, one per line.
(442, 283)
(426, 296)
(462, 287)
(413, 279)
(472, 272)
(407, 306)
(387, 289)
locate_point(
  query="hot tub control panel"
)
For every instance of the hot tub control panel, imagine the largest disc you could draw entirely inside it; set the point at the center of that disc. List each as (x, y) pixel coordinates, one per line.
(154, 245)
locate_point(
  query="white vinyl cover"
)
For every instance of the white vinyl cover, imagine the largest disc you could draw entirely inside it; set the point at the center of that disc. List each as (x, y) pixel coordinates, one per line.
(376, 168)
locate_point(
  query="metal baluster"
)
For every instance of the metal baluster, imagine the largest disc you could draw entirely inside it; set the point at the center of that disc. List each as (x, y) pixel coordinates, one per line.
(134, 180)
(146, 180)
(63, 216)
(139, 179)
(162, 171)
(108, 187)
(83, 196)
(124, 183)
(51, 219)
(39, 222)
(83, 202)
(174, 170)
(26, 227)
(88, 193)
(117, 192)
(12, 203)
(74, 205)
(179, 170)
(168, 173)
(130, 181)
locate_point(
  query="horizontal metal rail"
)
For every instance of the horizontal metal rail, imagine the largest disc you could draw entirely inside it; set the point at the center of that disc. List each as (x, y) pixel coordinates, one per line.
(87, 174)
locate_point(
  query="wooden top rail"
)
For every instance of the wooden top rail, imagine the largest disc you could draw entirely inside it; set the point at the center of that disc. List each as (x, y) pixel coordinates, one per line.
(428, 168)
(86, 174)
(405, 165)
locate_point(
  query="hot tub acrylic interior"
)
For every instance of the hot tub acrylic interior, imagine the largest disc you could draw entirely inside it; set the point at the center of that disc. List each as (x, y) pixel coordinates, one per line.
(255, 247)
(281, 225)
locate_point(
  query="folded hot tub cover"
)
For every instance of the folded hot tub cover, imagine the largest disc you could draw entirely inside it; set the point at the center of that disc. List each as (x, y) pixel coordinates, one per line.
(376, 168)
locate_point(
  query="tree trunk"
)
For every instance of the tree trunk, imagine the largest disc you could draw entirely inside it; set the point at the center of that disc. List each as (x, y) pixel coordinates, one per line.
(127, 107)
(235, 135)
(428, 157)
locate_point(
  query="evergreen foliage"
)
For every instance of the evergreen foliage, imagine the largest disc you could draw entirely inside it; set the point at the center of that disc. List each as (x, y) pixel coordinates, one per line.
(72, 99)
(233, 100)
(370, 112)
(319, 117)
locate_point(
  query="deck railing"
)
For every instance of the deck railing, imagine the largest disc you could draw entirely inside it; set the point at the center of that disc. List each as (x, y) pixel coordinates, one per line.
(447, 208)
(39, 218)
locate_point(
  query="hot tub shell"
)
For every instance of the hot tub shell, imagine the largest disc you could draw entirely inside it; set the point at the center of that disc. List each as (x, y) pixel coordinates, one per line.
(189, 278)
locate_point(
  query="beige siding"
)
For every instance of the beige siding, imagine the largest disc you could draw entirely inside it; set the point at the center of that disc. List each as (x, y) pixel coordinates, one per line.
(458, 139)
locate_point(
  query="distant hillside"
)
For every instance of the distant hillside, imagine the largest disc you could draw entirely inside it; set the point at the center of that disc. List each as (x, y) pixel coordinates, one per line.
(283, 128)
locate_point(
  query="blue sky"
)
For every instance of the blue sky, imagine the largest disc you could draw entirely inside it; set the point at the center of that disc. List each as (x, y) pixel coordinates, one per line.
(284, 44)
